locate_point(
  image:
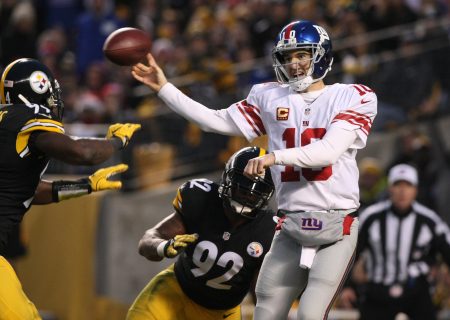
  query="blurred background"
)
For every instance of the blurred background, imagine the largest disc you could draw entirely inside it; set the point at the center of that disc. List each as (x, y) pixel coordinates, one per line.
(78, 259)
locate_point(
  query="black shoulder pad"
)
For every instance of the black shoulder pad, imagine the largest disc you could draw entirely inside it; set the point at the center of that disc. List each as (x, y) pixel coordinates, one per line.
(193, 194)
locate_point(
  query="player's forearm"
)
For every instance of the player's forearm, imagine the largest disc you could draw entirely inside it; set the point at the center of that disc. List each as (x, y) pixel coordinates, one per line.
(56, 191)
(43, 193)
(207, 119)
(77, 151)
(148, 245)
(93, 151)
(322, 153)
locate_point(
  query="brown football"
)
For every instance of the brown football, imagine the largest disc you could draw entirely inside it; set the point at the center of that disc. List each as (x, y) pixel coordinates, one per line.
(127, 46)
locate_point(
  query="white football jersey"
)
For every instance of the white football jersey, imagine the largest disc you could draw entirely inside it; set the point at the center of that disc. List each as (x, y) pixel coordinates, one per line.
(289, 122)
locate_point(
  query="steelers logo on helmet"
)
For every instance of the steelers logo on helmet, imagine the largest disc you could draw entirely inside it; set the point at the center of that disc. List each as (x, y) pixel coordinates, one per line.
(39, 82)
(255, 249)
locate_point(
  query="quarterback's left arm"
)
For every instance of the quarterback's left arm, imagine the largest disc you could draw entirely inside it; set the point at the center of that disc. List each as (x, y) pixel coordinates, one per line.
(55, 191)
(321, 153)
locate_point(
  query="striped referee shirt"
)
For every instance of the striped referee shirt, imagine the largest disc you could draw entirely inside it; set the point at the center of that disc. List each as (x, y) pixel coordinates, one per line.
(398, 247)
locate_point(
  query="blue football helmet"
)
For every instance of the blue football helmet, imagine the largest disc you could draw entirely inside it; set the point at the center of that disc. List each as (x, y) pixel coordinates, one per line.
(306, 35)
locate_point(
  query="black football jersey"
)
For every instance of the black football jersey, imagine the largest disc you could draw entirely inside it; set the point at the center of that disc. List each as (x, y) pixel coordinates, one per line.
(216, 272)
(21, 166)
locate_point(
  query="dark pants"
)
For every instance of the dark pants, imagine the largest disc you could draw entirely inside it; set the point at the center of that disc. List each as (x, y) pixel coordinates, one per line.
(415, 301)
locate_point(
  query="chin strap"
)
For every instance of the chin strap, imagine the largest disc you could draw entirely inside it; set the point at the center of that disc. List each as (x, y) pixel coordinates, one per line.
(303, 84)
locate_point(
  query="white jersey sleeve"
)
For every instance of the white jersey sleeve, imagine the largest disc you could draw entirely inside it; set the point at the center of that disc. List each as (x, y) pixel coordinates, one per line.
(210, 120)
(321, 153)
(356, 111)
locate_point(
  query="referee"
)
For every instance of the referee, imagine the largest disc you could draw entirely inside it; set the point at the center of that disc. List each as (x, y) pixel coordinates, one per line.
(399, 239)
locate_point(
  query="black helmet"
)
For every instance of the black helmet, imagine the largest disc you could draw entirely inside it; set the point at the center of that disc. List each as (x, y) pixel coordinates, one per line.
(245, 195)
(26, 81)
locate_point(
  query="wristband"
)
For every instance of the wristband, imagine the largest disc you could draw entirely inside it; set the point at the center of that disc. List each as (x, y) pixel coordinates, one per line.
(63, 190)
(161, 248)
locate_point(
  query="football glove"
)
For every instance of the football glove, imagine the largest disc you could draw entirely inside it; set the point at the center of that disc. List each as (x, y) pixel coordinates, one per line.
(177, 244)
(99, 179)
(122, 131)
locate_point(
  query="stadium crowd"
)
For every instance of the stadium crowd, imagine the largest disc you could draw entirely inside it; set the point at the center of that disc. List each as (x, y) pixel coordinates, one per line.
(216, 50)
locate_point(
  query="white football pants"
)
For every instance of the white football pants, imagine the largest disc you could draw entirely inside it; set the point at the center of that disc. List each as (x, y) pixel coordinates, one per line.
(281, 280)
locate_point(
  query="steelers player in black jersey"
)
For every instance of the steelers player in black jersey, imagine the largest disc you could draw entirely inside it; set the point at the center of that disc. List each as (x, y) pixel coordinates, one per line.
(31, 132)
(220, 234)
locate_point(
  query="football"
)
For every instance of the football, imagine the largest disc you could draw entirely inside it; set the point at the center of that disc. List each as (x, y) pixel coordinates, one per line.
(127, 46)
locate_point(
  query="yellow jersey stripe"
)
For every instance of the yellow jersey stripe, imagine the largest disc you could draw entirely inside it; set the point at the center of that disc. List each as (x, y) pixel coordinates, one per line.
(24, 135)
(42, 122)
(262, 152)
(177, 202)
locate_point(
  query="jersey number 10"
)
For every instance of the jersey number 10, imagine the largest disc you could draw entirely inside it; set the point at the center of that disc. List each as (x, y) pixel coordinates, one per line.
(310, 174)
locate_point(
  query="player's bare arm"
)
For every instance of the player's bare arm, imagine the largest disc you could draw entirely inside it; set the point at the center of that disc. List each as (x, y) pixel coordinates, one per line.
(43, 194)
(150, 75)
(77, 152)
(166, 229)
(85, 151)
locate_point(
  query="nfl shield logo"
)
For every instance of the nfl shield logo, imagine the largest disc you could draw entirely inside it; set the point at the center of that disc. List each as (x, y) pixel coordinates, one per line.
(226, 236)
(307, 111)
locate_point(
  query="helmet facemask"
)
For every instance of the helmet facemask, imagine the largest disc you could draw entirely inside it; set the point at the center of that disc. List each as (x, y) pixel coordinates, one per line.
(281, 67)
(54, 101)
(245, 195)
(298, 36)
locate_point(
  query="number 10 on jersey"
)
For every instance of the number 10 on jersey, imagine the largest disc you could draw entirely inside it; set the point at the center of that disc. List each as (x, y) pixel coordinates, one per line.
(294, 174)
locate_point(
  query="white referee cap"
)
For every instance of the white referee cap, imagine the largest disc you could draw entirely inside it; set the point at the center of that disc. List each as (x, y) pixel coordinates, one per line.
(403, 172)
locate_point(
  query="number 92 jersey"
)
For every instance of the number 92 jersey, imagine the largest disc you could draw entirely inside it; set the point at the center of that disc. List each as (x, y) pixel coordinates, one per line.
(21, 166)
(217, 271)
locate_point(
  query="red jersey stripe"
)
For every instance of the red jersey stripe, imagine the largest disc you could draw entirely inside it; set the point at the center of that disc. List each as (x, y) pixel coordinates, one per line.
(253, 112)
(364, 129)
(246, 104)
(359, 115)
(358, 121)
(255, 129)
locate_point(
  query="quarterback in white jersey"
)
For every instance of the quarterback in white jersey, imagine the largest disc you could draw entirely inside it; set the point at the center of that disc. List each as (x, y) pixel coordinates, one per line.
(291, 122)
(314, 133)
